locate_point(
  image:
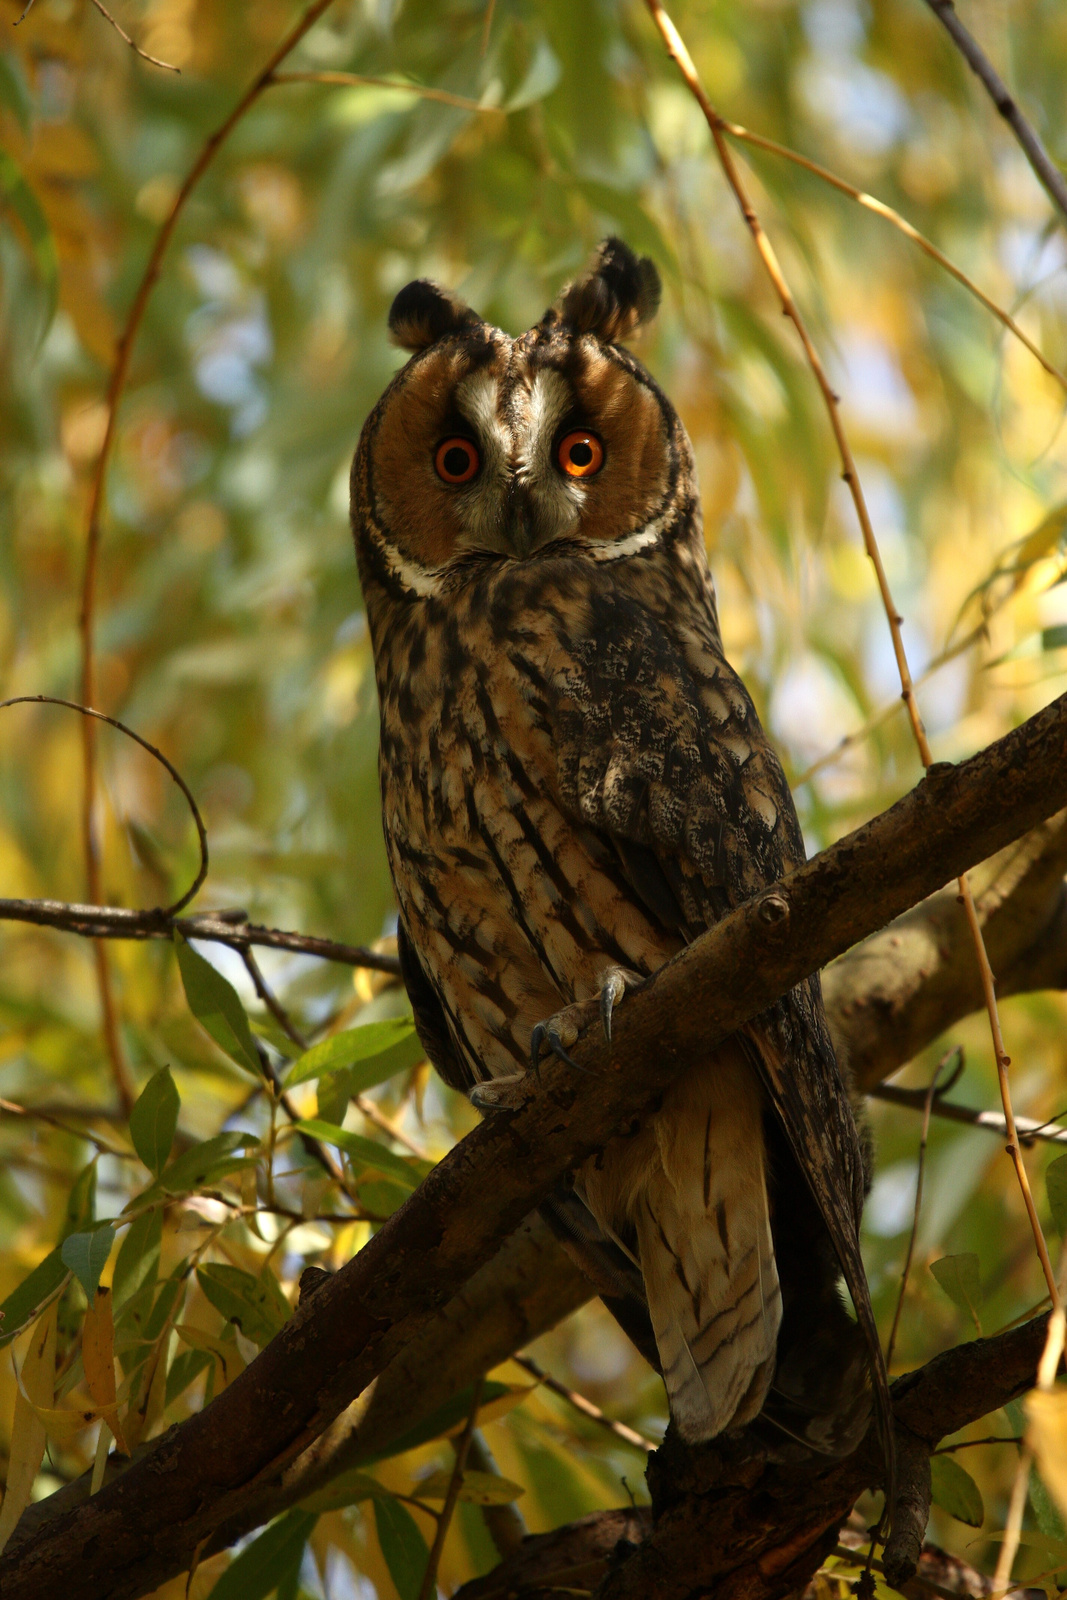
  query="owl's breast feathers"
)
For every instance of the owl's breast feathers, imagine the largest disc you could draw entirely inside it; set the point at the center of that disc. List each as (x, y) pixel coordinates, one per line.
(573, 777)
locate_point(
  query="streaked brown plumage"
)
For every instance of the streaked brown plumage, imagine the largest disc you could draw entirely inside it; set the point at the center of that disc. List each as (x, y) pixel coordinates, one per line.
(575, 784)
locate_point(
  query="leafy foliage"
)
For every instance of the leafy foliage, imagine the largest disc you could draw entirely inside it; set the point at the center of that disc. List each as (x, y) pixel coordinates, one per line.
(229, 631)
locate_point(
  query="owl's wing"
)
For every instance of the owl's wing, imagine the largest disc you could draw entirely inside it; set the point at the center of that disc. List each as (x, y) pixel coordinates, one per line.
(604, 1261)
(661, 760)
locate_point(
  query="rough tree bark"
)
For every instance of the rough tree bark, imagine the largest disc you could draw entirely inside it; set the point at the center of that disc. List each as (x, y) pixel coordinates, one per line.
(146, 1525)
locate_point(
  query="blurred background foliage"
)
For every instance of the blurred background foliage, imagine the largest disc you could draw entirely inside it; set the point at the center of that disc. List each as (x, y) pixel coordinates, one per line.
(230, 630)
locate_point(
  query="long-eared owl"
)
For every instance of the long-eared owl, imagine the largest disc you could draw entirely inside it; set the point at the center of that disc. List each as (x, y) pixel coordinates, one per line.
(574, 786)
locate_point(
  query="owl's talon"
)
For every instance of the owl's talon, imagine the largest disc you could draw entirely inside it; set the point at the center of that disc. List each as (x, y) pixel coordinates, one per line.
(548, 1033)
(612, 990)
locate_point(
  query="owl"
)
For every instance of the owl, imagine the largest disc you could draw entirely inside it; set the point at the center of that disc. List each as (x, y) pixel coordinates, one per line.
(575, 785)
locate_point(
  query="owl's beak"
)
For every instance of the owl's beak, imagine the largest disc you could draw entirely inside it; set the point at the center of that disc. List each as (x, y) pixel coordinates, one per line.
(520, 518)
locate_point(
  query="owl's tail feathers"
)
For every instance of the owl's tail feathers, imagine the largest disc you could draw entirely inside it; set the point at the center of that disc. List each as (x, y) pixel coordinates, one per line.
(821, 1393)
(715, 1304)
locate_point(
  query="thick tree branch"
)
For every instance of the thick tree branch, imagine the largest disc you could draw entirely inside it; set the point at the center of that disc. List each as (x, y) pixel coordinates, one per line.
(732, 1520)
(145, 1527)
(894, 993)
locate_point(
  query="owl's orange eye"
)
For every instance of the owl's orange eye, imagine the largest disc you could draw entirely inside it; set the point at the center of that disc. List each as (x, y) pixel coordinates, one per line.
(580, 454)
(456, 460)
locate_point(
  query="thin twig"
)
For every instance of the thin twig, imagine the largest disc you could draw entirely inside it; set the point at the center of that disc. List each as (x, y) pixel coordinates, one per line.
(271, 1001)
(359, 80)
(1028, 1128)
(428, 1587)
(168, 66)
(927, 1108)
(487, 27)
(880, 209)
(855, 1559)
(116, 922)
(113, 722)
(680, 55)
(375, 1114)
(967, 1444)
(36, 1114)
(1044, 168)
(94, 518)
(586, 1407)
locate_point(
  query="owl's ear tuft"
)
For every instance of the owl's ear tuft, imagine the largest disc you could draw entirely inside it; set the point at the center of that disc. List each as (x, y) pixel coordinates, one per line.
(616, 294)
(423, 312)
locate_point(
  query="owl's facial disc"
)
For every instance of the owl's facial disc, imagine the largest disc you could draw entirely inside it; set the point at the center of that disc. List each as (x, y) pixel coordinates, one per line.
(513, 448)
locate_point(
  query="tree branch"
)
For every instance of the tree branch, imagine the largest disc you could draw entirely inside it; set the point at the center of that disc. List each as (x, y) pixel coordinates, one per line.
(217, 927)
(891, 995)
(145, 1527)
(741, 1519)
(1044, 168)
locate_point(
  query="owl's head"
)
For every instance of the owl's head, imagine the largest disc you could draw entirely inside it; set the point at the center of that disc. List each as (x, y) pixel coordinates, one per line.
(489, 447)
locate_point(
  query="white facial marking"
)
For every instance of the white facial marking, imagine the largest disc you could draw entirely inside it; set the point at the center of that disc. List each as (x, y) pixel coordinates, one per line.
(616, 549)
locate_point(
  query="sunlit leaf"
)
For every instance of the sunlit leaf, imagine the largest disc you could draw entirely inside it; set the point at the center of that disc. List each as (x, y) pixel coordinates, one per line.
(24, 1304)
(364, 1153)
(347, 1489)
(368, 1055)
(86, 1255)
(203, 1165)
(541, 78)
(477, 1488)
(80, 1208)
(230, 1360)
(154, 1119)
(14, 91)
(402, 1545)
(98, 1360)
(28, 1438)
(137, 1262)
(214, 1003)
(955, 1491)
(1046, 1412)
(959, 1277)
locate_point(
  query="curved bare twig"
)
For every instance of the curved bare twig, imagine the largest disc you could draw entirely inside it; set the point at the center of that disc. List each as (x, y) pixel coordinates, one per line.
(113, 722)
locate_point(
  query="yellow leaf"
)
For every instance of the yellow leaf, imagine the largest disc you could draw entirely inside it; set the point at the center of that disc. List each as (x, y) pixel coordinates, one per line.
(98, 1359)
(1047, 1412)
(477, 1488)
(36, 1388)
(65, 1423)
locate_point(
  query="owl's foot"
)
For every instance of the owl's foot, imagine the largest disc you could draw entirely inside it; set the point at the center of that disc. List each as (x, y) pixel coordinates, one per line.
(500, 1094)
(616, 982)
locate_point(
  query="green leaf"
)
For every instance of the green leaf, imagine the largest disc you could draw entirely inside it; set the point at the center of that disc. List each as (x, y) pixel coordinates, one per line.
(447, 1417)
(182, 1371)
(956, 1492)
(403, 1547)
(25, 1304)
(541, 78)
(476, 1489)
(370, 1054)
(1046, 1511)
(154, 1119)
(81, 1202)
(14, 91)
(214, 1003)
(364, 1152)
(1056, 1189)
(269, 1561)
(138, 1257)
(379, 1197)
(347, 1489)
(24, 203)
(256, 1305)
(960, 1279)
(86, 1255)
(203, 1164)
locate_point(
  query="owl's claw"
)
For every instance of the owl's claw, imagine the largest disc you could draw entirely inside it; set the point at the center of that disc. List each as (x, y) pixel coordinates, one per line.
(498, 1094)
(615, 985)
(549, 1033)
